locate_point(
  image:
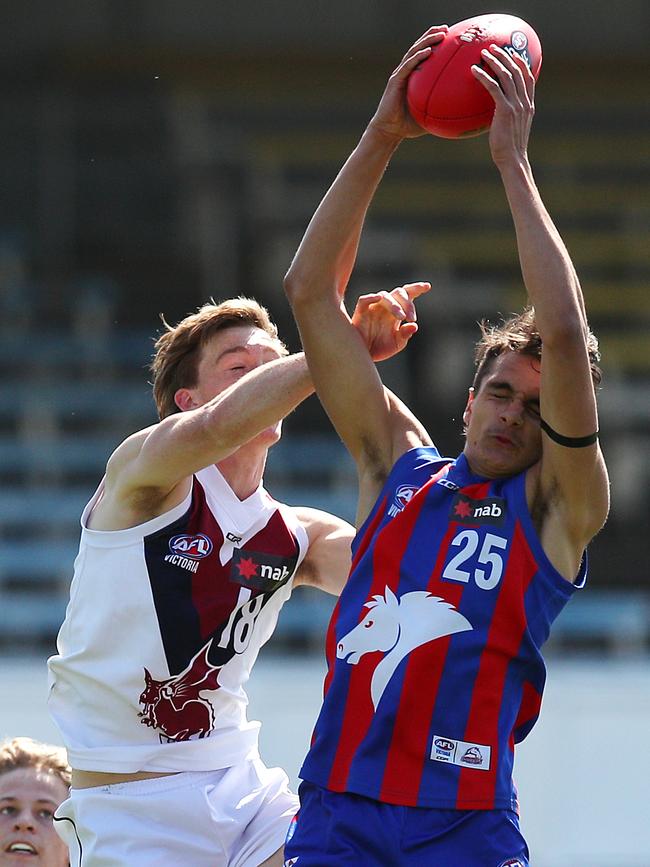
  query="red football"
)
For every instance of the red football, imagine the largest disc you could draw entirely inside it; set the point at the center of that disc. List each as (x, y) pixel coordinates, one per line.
(443, 95)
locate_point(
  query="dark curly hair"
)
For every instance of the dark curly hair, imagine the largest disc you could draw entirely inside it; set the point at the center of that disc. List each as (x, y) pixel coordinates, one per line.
(518, 333)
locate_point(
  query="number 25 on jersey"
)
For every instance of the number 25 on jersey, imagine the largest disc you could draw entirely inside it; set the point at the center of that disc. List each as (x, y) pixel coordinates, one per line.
(486, 568)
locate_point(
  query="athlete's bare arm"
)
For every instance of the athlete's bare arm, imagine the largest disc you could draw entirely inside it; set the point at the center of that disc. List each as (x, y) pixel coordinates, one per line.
(571, 480)
(327, 562)
(379, 319)
(151, 471)
(375, 430)
(276, 860)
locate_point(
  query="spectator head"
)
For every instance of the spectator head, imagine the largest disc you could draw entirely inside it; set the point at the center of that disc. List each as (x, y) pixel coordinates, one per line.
(34, 780)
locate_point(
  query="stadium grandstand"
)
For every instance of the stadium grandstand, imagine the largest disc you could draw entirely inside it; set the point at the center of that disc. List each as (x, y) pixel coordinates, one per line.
(152, 160)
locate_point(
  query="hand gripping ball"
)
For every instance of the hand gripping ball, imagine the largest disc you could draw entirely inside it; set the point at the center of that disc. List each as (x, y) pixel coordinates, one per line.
(443, 96)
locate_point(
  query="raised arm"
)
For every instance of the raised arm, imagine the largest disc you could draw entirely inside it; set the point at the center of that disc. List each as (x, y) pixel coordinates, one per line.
(256, 388)
(149, 466)
(571, 473)
(345, 377)
(327, 562)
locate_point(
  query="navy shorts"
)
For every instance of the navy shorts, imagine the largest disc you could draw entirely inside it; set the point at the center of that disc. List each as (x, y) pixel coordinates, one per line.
(344, 830)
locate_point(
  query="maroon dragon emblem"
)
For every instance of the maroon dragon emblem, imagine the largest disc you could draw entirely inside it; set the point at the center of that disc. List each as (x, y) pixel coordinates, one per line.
(175, 707)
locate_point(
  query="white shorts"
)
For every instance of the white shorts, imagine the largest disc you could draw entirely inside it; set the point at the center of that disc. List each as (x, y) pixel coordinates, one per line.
(235, 817)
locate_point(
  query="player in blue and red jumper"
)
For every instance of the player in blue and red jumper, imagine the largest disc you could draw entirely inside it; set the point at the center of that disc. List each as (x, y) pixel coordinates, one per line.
(459, 565)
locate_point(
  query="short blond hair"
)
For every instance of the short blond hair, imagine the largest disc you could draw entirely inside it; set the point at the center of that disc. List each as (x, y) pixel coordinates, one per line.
(177, 350)
(18, 753)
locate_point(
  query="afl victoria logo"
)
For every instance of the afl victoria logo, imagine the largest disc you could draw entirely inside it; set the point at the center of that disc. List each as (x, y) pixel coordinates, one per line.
(403, 496)
(195, 546)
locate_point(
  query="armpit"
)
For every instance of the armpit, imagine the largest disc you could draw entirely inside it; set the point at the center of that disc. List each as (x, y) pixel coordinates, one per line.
(541, 504)
(307, 572)
(376, 465)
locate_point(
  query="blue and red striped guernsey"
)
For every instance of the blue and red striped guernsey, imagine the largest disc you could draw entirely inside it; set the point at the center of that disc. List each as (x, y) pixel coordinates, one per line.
(434, 663)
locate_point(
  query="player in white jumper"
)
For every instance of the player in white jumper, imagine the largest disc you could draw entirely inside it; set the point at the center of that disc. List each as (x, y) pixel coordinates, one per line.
(183, 565)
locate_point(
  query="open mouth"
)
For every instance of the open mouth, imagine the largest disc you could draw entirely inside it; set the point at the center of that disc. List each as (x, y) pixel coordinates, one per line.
(350, 656)
(21, 848)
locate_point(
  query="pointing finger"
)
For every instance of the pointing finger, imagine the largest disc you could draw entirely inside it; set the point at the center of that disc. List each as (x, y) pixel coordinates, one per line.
(414, 290)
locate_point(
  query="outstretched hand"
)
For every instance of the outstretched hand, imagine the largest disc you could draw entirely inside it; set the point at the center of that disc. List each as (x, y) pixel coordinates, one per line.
(392, 118)
(512, 86)
(387, 320)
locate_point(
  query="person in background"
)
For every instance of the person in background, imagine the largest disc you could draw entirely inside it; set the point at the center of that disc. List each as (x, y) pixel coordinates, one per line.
(34, 780)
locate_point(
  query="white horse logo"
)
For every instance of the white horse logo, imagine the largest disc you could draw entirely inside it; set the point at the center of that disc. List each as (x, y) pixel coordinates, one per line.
(398, 626)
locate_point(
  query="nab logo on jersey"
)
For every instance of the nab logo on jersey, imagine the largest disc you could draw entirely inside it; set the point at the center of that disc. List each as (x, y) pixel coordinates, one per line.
(465, 510)
(196, 546)
(260, 571)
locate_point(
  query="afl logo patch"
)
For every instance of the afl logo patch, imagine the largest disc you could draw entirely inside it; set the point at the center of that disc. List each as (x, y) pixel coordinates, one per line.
(196, 546)
(403, 496)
